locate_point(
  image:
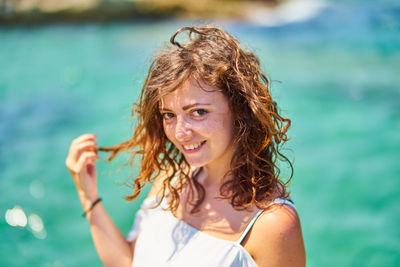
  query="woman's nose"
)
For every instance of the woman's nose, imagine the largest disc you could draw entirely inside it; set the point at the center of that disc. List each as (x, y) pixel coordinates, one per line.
(183, 131)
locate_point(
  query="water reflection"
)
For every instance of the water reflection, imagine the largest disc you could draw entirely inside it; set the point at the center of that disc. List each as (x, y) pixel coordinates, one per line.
(37, 227)
(37, 189)
(17, 217)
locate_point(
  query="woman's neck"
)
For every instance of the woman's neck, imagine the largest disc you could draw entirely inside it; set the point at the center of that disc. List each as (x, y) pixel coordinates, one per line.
(213, 175)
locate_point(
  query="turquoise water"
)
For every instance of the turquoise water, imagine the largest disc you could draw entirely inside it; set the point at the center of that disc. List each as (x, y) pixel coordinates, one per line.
(336, 75)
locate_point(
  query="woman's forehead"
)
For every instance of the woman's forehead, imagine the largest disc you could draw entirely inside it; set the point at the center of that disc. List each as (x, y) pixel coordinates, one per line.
(192, 92)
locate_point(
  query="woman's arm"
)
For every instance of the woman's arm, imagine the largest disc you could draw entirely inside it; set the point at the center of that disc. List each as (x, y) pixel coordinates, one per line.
(276, 238)
(110, 243)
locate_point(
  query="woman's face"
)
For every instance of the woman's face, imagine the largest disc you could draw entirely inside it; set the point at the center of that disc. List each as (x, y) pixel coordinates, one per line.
(198, 121)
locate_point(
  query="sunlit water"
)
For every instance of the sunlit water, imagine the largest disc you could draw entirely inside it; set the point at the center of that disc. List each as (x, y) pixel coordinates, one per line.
(336, 75)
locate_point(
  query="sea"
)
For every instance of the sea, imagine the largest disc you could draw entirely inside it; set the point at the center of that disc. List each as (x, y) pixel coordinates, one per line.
(334, 70)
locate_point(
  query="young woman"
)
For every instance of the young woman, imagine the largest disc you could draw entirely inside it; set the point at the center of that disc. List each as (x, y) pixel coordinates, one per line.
(208, 136)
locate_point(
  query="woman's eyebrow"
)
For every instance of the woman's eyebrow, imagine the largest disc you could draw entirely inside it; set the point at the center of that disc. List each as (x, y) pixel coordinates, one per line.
(186, 107)
(194, 105)
(164, 109)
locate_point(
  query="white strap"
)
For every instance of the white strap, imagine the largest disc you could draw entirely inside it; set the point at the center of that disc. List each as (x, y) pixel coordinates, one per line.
(253, 220)
(283, 201)
(249, 226)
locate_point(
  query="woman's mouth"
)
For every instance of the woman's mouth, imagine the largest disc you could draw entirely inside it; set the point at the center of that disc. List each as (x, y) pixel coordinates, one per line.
(193, 147)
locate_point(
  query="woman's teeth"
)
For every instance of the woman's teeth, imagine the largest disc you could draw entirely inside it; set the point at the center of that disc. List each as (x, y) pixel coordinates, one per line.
(193, 146)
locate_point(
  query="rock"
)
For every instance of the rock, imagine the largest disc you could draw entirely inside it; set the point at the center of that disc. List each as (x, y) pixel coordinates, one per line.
(46, 11)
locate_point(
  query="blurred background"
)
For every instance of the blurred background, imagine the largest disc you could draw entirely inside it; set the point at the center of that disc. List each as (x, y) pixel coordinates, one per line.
(71, 67)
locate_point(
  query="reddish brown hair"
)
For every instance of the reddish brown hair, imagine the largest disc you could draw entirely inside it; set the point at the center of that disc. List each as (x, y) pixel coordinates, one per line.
(217, 59)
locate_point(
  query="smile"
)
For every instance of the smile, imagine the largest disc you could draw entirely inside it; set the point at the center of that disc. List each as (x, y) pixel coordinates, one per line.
(193, 147)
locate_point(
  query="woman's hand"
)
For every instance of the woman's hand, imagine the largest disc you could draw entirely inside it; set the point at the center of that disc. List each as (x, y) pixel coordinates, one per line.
(81, 162)
(110, 243)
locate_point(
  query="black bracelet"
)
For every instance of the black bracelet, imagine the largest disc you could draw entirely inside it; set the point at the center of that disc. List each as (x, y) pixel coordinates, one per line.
(91, 207)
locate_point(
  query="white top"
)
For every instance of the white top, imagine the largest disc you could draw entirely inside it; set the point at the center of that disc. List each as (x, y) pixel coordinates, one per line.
(164, 240)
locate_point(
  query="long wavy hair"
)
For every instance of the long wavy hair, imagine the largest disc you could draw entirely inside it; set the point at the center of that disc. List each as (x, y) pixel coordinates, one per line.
(216, 58)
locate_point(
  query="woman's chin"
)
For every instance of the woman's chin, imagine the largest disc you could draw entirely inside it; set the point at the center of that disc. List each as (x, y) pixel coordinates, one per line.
(195, 163)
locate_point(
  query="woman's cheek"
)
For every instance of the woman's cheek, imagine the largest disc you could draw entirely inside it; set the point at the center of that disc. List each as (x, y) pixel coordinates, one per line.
(168, 131)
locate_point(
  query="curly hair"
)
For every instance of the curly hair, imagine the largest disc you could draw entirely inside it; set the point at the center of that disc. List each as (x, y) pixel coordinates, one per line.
(216, 58)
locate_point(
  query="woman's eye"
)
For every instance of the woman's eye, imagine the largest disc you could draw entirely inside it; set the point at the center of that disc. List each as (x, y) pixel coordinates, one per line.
(167, 115)
(199, 112)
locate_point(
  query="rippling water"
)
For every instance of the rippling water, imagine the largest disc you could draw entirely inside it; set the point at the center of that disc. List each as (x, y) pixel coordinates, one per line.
(335, 74)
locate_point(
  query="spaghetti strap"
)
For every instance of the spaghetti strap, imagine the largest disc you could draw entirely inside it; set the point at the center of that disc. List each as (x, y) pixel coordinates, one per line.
(253, 220)
(249, 226)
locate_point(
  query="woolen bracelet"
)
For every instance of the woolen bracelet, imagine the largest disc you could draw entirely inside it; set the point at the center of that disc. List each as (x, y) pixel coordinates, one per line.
(91, 207)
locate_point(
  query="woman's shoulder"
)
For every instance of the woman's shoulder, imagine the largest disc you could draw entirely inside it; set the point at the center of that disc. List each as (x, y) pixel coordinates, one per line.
(280, 215)
(158, 183)
(276, 238)
(157, 186)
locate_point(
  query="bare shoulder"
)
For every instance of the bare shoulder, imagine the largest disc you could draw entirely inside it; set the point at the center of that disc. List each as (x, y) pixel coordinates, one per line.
(156, 188)
(276, 238)
(158, 184)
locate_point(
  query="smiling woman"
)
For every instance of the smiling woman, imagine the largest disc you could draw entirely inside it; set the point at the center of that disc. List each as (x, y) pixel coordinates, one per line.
(198, 121)
(208, 135)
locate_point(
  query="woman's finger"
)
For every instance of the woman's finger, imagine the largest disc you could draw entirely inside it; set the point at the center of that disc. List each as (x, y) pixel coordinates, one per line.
(76, 166)
(83, 138)
(84, 159)
(76, 150)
